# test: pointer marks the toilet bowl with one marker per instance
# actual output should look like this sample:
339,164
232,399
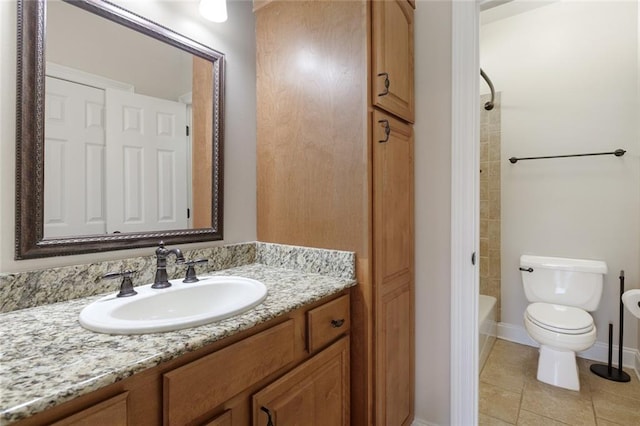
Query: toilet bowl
562,291
561,331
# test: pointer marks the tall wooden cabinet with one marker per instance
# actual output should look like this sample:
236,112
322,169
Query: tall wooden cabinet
335,169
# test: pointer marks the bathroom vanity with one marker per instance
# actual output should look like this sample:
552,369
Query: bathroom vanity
286,358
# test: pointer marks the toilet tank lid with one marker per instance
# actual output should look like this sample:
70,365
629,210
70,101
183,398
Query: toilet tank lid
564,264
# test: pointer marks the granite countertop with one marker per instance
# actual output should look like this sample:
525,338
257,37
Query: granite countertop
47,358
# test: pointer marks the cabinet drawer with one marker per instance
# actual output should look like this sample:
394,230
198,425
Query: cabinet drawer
112,411
196,388
327,322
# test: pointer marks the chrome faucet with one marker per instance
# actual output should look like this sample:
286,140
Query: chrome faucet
162,253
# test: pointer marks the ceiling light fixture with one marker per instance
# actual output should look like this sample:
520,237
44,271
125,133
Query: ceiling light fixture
214,10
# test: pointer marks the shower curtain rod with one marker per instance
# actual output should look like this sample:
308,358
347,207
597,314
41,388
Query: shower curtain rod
617,153
489,104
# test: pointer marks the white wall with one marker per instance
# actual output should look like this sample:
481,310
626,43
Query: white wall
235,38
568,74
433,213
111,50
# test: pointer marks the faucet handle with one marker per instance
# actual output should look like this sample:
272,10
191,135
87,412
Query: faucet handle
126,286
191,270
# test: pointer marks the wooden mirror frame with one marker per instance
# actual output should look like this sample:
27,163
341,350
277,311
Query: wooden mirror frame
30,77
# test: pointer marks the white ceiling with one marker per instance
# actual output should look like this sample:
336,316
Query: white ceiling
494,10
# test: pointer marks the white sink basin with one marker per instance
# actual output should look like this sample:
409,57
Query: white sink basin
179,306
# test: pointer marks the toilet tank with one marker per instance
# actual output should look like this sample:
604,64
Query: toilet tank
571,282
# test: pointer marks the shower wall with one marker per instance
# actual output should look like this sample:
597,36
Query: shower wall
490,135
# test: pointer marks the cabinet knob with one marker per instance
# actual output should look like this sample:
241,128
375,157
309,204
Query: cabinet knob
337,323
387,130
387,83
268,413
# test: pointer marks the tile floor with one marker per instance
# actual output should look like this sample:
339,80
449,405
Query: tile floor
511,395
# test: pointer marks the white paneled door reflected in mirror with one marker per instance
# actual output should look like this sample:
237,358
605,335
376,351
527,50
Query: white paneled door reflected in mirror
116,162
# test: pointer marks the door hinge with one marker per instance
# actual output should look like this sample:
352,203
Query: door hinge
187,130
188,213
473,258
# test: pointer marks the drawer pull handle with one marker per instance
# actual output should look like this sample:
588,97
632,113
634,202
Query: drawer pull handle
337,323
387,130
269,420
387,83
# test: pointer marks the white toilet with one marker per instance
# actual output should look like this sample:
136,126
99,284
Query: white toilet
562,292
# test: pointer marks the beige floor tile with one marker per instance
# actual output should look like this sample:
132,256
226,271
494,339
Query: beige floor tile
557,403
585,384
514,357
603,422
629,389
511,369
506,376
527,418
531,367
499,403
484,420
584,392
512,353
616,408
584,364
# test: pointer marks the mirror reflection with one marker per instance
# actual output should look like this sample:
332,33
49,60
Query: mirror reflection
104,157
127,130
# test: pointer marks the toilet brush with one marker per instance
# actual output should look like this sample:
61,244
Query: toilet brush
607,371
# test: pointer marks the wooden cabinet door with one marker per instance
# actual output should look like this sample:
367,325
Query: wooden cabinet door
112,412
393,232
314,394
392,62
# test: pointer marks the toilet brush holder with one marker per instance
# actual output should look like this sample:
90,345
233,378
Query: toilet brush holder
606,370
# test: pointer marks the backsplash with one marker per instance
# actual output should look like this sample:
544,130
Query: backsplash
34,288
335,263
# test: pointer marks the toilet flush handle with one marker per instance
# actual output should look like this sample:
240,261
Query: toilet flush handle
526,269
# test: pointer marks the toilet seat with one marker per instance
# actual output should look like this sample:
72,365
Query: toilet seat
560,341
559,318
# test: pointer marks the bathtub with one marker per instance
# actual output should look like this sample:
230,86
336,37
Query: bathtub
487,327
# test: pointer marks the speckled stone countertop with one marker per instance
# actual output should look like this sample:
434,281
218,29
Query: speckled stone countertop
47,358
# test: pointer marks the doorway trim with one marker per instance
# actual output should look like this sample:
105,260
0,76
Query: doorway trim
464,212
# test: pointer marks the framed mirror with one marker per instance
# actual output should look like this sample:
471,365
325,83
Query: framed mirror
119,136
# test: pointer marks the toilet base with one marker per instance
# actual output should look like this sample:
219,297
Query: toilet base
558,368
